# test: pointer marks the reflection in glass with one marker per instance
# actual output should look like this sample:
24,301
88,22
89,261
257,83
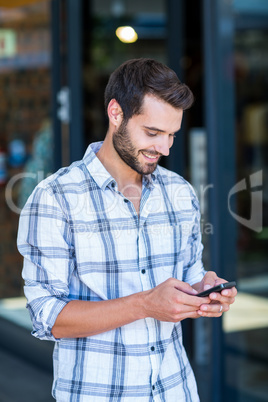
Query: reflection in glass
105,52
246,325
25,88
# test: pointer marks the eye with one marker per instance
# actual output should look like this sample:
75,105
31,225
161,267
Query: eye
172,136
151,134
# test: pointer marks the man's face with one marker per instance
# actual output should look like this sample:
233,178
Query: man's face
148,136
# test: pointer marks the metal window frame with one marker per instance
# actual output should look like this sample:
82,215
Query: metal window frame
56,81
175,49
67,80
75,77
218,29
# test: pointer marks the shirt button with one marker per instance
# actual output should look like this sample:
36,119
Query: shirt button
113,184
125,200
143,271
152,348
153,387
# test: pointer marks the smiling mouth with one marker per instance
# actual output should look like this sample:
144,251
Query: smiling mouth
152,157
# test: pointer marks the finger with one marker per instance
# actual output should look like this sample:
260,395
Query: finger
190,314
182,312
208,315
219,281
185,287
229,292
213,310
209,280
185,294
223,298
226,300
185,309
193,300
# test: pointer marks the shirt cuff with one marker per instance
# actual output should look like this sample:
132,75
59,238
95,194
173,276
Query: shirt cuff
44,320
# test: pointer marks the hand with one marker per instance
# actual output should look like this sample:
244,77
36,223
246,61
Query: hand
173,301
219,301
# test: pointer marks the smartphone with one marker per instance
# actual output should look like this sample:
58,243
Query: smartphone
218,288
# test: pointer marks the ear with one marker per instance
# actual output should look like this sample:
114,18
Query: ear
115,113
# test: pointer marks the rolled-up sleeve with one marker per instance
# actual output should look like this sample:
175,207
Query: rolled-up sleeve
45,242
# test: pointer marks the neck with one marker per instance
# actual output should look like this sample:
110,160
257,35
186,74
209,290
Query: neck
119,170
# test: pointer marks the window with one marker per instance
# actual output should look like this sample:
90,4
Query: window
25,137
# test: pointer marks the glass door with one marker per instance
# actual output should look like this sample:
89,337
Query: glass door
26,155
113,32
246,325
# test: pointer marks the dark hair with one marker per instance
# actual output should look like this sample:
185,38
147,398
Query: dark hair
135,78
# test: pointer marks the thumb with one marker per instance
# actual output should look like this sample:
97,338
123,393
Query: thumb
209,280
186,288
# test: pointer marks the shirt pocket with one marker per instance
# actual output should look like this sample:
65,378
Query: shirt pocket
166,239
106,257
89,247
164,245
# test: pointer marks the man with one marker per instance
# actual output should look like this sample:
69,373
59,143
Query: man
112,252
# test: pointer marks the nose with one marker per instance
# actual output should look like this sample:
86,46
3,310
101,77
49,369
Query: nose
163,145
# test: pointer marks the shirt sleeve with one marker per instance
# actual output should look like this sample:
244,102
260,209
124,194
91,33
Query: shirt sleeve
45,241
193,270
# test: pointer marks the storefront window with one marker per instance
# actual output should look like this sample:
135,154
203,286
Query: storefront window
25,133
106,48
246,325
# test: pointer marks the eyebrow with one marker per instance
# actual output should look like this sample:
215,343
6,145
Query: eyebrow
154,129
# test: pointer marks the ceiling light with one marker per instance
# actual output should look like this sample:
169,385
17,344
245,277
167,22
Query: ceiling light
126,34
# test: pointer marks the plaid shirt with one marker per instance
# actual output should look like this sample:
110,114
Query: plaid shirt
82,239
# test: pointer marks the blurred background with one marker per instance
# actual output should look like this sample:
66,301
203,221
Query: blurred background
55,60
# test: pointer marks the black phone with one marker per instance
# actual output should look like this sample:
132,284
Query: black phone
218,288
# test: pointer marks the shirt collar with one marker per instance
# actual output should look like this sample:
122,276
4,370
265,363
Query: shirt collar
101,176
148,180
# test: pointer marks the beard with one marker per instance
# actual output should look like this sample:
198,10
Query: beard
128,152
